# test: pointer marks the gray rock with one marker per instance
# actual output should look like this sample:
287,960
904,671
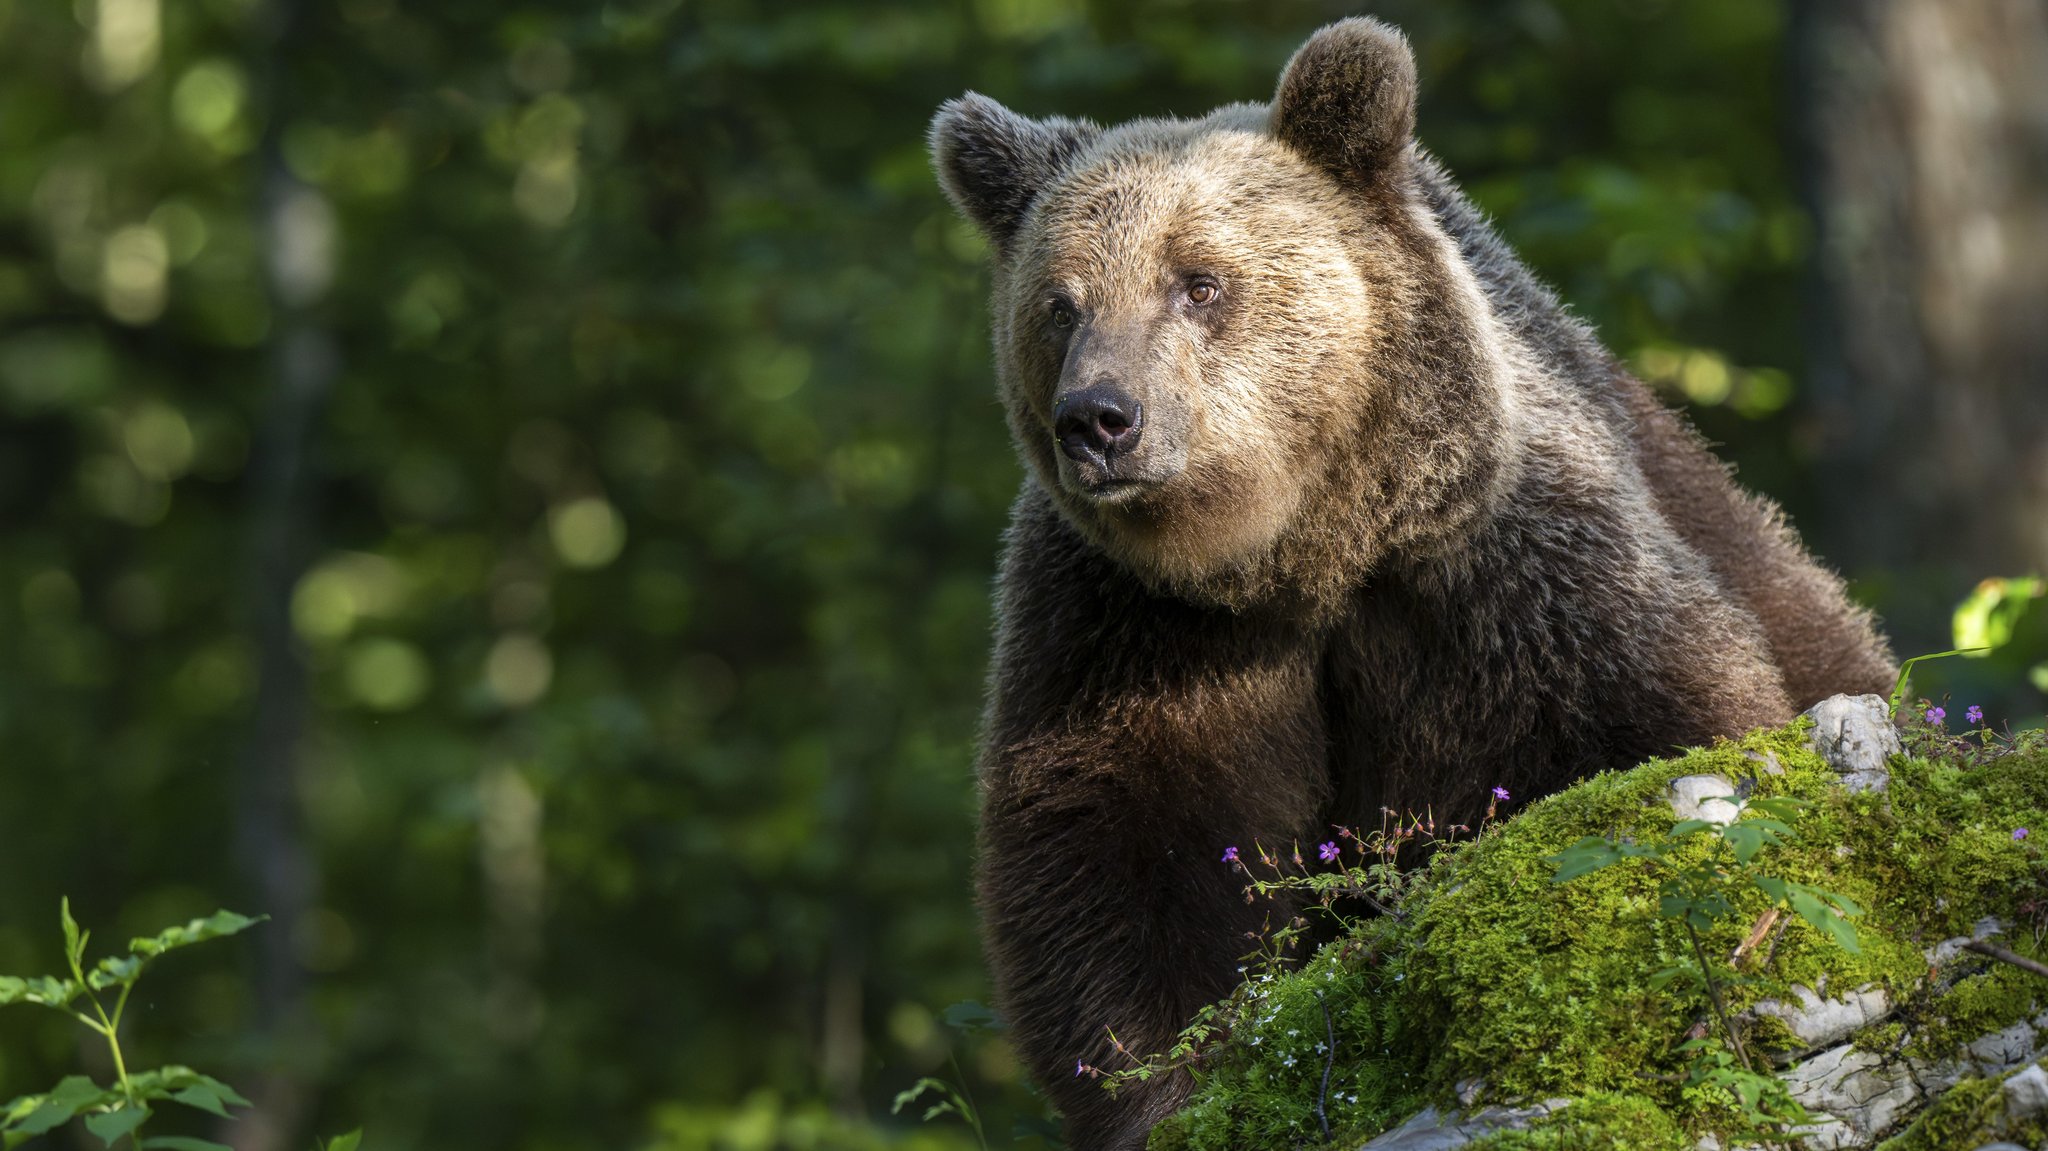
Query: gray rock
2026,1093
1702,797
1854,733
1857,1094
1822,1022
1945,952
1432,1130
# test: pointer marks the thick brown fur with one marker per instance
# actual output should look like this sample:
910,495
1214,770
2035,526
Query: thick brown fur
1397,530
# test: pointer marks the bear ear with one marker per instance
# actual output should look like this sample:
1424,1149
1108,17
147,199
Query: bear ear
1347,99
993,162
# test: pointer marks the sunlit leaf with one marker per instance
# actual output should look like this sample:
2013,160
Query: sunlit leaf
214,926
1987,617
182,1143
1813,910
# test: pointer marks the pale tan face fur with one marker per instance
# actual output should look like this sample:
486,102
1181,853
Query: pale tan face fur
1244,394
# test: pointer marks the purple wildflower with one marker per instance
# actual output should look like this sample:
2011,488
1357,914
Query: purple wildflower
1327,852
1080,1068
1975,714
1937,715
2019,833
1230,854
1500,793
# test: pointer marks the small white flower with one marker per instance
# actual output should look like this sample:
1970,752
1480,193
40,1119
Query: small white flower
1287,1062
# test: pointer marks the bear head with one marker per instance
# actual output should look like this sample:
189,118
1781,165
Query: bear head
1239,353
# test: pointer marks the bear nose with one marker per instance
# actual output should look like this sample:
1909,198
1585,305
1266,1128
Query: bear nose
1096,423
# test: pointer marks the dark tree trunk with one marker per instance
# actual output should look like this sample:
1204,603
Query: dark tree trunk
298,228
1926,139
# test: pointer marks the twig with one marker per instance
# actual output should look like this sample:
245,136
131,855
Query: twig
1764,923
2004,956
1329,1061
1771,952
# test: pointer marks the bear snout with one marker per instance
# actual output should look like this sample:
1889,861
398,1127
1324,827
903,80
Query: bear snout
1096,424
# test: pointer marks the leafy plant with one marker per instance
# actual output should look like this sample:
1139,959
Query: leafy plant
118,1112
952,1097
1700,889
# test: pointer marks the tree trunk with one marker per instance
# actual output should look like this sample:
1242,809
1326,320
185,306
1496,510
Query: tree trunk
1926,126
298,230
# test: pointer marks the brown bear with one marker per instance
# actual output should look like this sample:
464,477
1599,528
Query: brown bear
1329,506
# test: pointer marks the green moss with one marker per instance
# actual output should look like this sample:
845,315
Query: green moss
1970,1114
1599,1121
1543,990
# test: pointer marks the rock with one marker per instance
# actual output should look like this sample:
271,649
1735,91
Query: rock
2026,1093
1945,952
1858,1094
1469,1091
1854,734
1769,759
1822,1022
1703,797
1431,1130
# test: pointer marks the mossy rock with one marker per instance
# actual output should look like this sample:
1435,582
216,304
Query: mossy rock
1496,975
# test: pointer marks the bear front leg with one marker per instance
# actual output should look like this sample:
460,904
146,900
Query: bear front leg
1130,740
1108,909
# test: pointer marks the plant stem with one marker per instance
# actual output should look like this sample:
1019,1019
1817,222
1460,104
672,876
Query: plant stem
973,1115
1714,994
1322,1093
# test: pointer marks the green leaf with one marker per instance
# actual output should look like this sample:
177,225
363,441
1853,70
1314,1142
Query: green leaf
1686,827
347,1142
203,1098
114,971
181,1143
1906,672
1783,807
1987,618
74,939
113,1125
220,923
970,1017
1813,910
1583,858
908,1095
223,1090
71,1095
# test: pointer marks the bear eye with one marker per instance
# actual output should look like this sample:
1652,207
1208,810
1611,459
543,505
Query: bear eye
1062,315
1203,291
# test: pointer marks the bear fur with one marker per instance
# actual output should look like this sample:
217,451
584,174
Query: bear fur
1330,506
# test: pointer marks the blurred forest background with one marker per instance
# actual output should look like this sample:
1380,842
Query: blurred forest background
510,489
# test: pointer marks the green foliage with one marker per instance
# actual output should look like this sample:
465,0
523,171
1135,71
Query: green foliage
1597,989
1699,890
119,1111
